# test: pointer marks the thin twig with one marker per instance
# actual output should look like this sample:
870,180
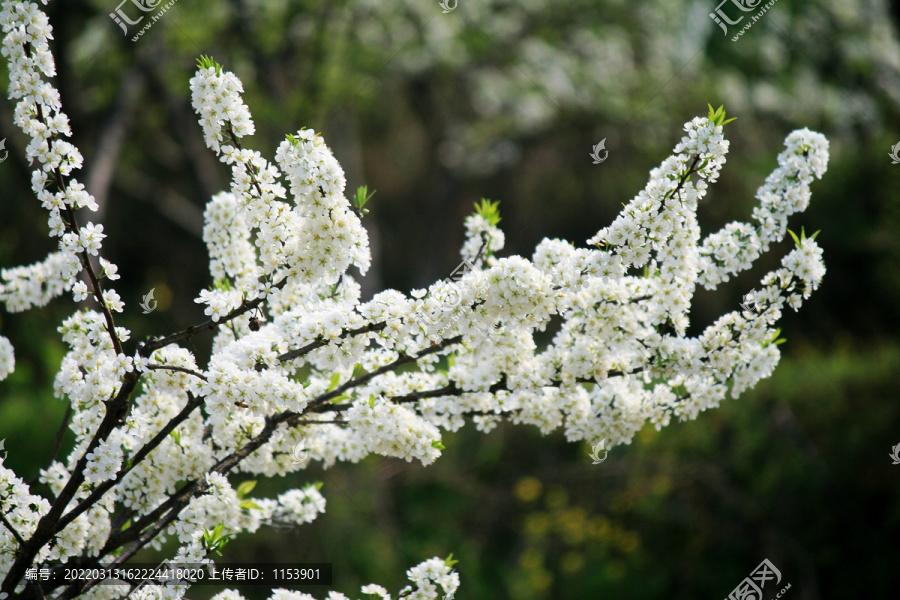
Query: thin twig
484,244
12,530
60,433
174,368
192,404
186,334
404,359
318,343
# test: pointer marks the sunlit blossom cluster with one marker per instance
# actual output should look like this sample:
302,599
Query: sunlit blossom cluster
299,361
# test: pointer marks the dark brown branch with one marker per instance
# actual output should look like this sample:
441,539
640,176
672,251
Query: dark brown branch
192,404
155,344
404,359
451,389
12,530
169,510
197,486
95,281
59,434
116,407
174,368
318,343
46,527
483,413
684,179
484,243
190,490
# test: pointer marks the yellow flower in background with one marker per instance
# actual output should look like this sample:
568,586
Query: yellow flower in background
528,489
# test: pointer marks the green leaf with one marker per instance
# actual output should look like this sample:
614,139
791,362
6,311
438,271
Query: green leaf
206,62
794,235
717,116
245,488
214,541
341,398
318,485
774,339
361,198
250,504
449,562
815,234
335,379
438,445
488,210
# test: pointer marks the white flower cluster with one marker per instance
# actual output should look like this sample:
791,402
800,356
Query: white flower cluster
7,358
480,233
39,115
299,361
330,236
34,285
308,245
393,430
296,506
217,99
785,192
22,509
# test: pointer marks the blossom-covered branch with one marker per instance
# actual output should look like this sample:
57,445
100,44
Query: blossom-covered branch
305,364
